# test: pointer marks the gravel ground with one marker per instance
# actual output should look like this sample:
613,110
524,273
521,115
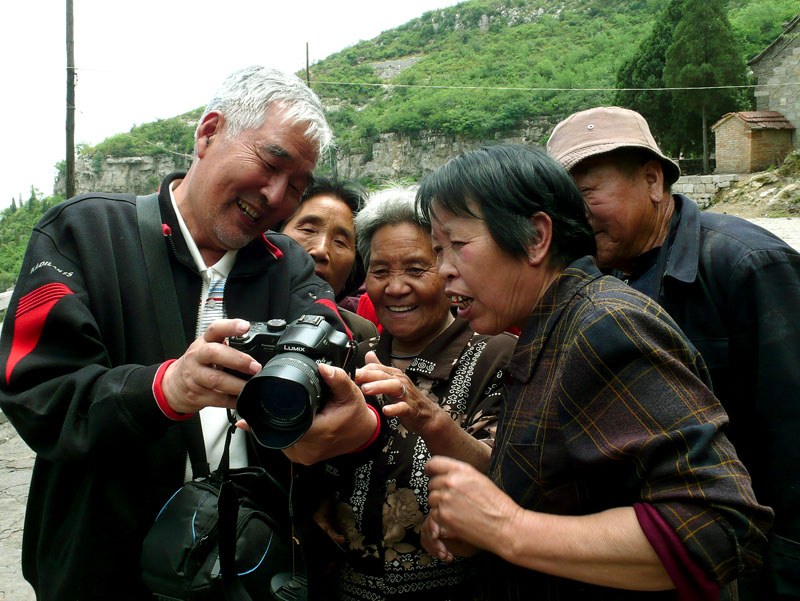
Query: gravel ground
16,462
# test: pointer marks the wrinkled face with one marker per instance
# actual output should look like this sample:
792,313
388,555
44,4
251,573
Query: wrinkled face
323,225
245,184
620,210
404,285
492,288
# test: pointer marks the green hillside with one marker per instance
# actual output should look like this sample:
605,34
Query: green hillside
463,55
462,52
529,44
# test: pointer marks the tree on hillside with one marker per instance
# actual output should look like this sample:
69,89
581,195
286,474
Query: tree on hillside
645,69
704,53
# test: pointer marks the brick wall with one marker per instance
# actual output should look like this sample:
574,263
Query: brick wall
702,188
769,147
733,146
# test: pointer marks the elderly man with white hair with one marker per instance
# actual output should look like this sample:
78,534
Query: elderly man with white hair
109,412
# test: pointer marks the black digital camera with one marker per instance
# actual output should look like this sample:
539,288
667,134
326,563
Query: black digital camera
280,401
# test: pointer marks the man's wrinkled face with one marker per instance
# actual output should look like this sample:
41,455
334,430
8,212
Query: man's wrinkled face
619,207
249,182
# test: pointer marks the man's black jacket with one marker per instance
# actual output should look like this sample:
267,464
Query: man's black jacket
80,348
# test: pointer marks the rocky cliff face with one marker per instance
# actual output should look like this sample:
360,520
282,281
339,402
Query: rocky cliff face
392,157
397,156
138,175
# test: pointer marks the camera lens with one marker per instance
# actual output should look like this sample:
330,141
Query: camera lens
280,401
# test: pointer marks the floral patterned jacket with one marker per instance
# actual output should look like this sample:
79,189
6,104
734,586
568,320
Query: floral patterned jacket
380,495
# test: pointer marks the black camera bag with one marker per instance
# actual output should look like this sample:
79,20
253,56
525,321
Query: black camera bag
213,539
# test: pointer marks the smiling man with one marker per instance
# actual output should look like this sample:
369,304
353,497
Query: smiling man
86,381
732,287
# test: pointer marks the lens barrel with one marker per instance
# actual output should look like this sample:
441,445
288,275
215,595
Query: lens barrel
279,402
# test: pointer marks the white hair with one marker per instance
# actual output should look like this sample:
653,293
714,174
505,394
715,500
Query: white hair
390,206
246,95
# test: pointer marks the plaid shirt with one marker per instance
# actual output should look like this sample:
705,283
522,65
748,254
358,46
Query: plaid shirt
610,406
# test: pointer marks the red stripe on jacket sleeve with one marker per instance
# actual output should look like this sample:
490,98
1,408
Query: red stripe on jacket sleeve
274,250
332,306
32,310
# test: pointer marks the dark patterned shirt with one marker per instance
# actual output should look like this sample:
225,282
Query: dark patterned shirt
609,407
383,494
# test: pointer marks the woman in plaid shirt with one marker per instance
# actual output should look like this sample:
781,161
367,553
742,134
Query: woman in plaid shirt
611,474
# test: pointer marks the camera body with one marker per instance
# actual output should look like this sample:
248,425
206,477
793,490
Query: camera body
280,401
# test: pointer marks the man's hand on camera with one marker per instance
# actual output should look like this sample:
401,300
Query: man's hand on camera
197,379
344,424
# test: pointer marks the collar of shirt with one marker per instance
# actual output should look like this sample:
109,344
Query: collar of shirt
220,269
546,314
684,250
438,359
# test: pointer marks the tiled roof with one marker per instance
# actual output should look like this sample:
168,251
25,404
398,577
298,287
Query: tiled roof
759,120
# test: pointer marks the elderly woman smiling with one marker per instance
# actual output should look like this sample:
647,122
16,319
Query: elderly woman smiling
449,398
610,469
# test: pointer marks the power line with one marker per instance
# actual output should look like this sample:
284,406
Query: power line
522,89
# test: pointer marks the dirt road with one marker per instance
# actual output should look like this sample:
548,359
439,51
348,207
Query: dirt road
16,462
787,228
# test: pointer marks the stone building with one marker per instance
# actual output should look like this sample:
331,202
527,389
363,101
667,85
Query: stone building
750,141
778,69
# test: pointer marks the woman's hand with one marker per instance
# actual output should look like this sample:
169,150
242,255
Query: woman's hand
324,517
468,510
414,410
436,542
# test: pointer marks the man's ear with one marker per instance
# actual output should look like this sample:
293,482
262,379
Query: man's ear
210,126
539,247
654,176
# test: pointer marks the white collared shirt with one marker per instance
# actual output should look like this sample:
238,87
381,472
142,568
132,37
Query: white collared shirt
210,308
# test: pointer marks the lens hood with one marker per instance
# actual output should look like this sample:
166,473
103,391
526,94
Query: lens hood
279,402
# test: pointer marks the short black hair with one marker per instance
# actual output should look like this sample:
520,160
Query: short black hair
350,193
353,195
510,184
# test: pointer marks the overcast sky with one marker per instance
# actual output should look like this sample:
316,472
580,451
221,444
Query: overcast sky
145,60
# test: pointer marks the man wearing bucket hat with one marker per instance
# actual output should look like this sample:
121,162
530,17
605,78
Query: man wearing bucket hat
733,288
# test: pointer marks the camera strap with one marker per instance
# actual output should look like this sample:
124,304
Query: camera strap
159,275
173,344
168,314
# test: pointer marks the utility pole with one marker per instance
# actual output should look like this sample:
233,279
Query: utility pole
308,73
70,105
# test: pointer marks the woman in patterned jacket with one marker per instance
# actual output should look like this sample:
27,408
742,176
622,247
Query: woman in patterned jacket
452,378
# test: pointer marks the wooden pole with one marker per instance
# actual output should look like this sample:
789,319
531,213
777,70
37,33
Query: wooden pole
70,105
308,73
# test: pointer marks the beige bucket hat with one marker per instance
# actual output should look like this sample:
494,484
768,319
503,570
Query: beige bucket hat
604,129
